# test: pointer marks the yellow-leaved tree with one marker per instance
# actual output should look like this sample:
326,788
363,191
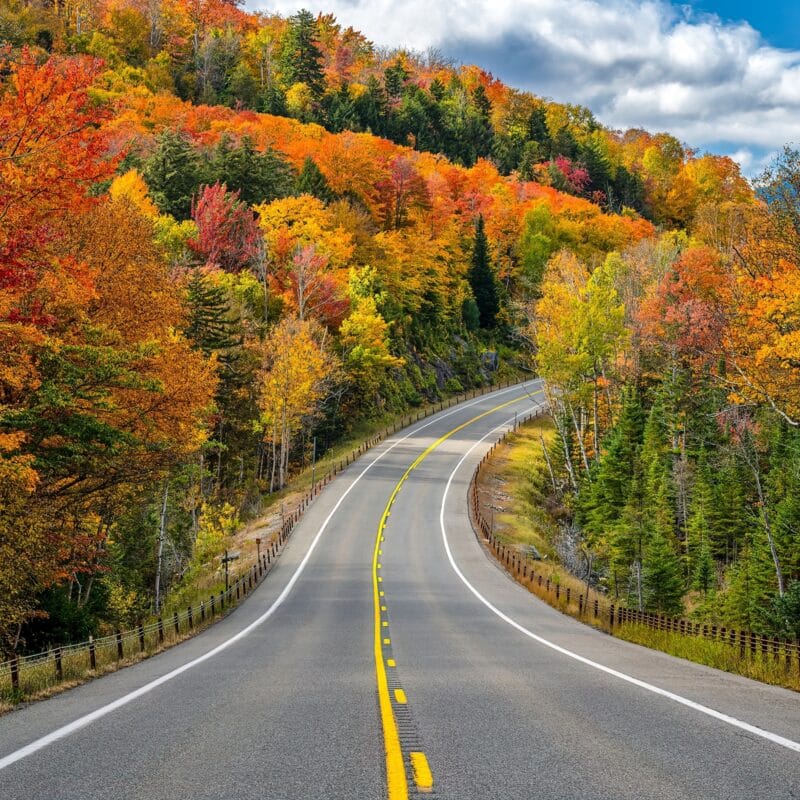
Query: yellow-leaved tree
297,374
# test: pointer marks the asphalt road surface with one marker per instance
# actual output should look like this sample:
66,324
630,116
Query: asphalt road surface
386,654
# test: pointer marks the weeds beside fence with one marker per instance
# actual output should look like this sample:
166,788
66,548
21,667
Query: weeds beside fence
768,659
27,677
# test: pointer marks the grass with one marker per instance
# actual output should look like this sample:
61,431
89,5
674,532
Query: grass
512,499
760,667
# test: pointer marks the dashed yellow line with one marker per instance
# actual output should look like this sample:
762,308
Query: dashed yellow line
397,783
422,771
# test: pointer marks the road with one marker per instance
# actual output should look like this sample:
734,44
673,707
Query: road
385,651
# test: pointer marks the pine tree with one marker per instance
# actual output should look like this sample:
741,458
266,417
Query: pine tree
624,542
481,278
209,327
173,173
656,474
312,181
727,517
259,177
481,123
594,158
662,578
301,57
783,486
602,500
752,584
538,130
703,576
698,529
394,79
372,108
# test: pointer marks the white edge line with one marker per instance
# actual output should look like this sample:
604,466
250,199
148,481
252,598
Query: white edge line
87,719
718,715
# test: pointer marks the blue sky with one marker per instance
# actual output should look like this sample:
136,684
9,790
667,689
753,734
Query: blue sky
721,75
779,22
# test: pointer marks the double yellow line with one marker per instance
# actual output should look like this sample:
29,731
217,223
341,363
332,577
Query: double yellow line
397,783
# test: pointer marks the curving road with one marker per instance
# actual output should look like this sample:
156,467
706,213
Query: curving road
387,655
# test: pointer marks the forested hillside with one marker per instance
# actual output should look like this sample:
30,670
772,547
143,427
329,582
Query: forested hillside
225,235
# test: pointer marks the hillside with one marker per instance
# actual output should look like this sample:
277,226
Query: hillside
228,238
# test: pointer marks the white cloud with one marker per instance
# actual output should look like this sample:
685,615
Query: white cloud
635,63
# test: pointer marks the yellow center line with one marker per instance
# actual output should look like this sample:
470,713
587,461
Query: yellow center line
397,783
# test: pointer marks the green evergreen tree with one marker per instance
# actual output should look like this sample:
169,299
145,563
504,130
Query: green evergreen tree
210,326
174,173
623,541
783,486
437,90
698,531
339,110
727,516
704,574
481,132
312,181
662,577
531,156
372,108
592,156
656,463
481,278
258,176
537,128
273,101
301,58
394,79
470,314
752,585
784,615
601,500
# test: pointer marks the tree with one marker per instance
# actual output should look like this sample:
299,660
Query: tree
312,181
314,291
602,501
209,325
296,374
364,337
301,57
173,172
481,278
704,576
227,233
401,191
662,578
698,527
258,176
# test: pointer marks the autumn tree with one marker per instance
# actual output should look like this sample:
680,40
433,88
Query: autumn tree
227,233
296,377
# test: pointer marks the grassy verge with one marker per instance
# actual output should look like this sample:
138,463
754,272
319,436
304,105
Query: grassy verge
766,668
511,513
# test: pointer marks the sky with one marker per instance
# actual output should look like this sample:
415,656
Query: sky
721,75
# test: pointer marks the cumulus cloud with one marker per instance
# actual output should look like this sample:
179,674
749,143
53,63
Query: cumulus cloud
635,63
